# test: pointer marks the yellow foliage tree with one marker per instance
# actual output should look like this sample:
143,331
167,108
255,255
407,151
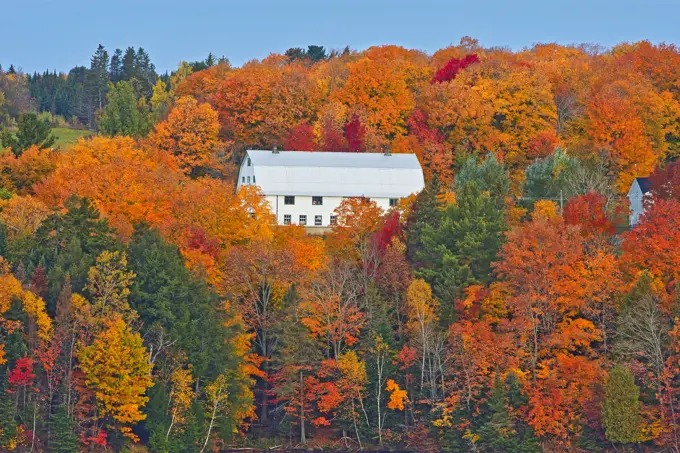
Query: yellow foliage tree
22,215
117,370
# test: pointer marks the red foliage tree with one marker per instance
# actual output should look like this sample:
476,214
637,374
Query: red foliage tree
451,69
589,211
39,281
301,138
355,134
391,228
542,144
332,139
417,125
22,374
652,245
665,182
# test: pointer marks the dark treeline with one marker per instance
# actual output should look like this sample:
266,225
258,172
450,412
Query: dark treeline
78,94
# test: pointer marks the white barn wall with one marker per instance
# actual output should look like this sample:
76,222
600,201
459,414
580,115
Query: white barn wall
303,206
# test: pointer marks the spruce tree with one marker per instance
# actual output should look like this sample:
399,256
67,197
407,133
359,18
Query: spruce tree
64,440
128,64
98,77
460,250
116,66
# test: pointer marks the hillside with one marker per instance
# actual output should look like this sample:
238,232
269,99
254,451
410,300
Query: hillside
147,305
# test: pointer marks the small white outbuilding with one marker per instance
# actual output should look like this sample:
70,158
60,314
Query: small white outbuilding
305,187
637,197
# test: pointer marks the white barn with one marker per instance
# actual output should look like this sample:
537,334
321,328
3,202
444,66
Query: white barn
637,195
304,187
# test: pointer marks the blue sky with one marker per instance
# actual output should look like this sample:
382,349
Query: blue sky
59,34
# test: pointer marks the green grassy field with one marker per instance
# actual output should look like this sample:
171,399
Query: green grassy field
66,136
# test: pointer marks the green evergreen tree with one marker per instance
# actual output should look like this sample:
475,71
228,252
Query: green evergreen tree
168,297
316,53
490,175
8,423
499,434
621,410
31,130
128,65
68,245
459,252
427,213
116,66
145,73
64,440
97,82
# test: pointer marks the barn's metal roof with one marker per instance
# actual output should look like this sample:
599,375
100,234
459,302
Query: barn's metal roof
336,174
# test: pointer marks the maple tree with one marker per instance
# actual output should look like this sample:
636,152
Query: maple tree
453,67
190,133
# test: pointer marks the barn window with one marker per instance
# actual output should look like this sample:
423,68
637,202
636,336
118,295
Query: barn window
334,220
303,219
286,219
394,201
289,199
249,161
318,220
317,201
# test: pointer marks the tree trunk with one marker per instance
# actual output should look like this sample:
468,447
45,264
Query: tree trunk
303,438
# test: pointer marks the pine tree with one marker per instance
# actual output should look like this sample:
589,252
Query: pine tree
64,441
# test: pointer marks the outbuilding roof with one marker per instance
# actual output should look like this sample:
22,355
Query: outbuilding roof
336,173
645,184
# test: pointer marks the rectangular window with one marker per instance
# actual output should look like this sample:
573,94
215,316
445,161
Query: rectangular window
317,220
248,179
243,179
286,219
317,201
288,199
334,220
253,179
249,161
303,219
394,201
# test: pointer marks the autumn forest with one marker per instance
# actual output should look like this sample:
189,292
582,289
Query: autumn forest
146,305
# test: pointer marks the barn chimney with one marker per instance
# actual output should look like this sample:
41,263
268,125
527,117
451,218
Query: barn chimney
275,150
